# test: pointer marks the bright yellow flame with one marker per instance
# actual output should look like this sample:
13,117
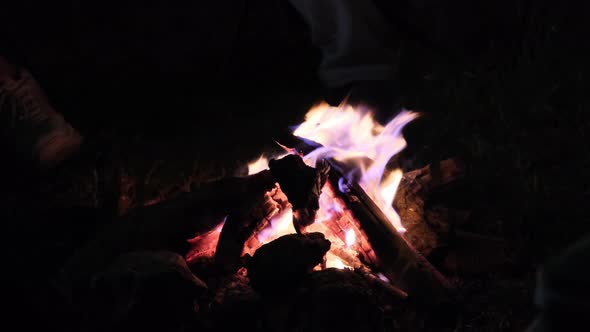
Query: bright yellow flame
280,224
350,135
385,200
335,262
338,264
350,238
390,184
258,165
261,163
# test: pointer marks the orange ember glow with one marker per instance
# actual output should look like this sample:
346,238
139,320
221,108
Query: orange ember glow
364,147
203,245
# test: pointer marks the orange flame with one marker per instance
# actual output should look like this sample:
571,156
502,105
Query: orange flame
335,262
350,238
258,165
352,136
261,163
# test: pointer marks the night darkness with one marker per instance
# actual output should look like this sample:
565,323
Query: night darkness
171,94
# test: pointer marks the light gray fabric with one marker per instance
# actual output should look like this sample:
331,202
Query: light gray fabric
353,38
563,291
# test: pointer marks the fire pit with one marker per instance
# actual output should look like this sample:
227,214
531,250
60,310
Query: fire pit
354,213
306,237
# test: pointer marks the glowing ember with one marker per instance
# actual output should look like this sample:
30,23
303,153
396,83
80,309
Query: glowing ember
204,244
353,137
350,238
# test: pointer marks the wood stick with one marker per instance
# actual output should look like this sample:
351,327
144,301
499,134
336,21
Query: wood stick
357,265
165,226
401,263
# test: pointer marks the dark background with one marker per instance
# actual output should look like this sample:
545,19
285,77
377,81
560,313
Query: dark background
93,57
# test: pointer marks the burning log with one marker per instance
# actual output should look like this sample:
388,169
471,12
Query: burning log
302,185
402,264
333,298
412,194
400,261
164,226
355,263
168,225
339,300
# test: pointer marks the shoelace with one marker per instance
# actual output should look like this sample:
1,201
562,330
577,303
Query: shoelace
24,101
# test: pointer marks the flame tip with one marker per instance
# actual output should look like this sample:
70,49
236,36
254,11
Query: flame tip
351,134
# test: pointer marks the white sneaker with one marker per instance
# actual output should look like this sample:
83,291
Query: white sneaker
31,125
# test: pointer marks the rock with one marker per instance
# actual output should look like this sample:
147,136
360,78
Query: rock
236,305
283,263
143,291
337,300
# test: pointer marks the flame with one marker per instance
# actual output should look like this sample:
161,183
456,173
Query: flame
364,147
350,238
353,137
280,224
335,262
261,163
338,264
204,244
258,165
383,277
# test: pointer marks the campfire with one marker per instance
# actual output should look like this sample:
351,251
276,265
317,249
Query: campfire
362,148
331,215
350,153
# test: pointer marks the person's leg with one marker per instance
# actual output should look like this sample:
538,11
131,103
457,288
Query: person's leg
28,123
354,38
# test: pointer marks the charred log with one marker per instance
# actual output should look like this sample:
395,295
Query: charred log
401,262
167,225
302,185
423,228
338,300
149,291
236,306
283,263
403,265
164,226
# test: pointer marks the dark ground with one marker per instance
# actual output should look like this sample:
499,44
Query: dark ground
196,92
